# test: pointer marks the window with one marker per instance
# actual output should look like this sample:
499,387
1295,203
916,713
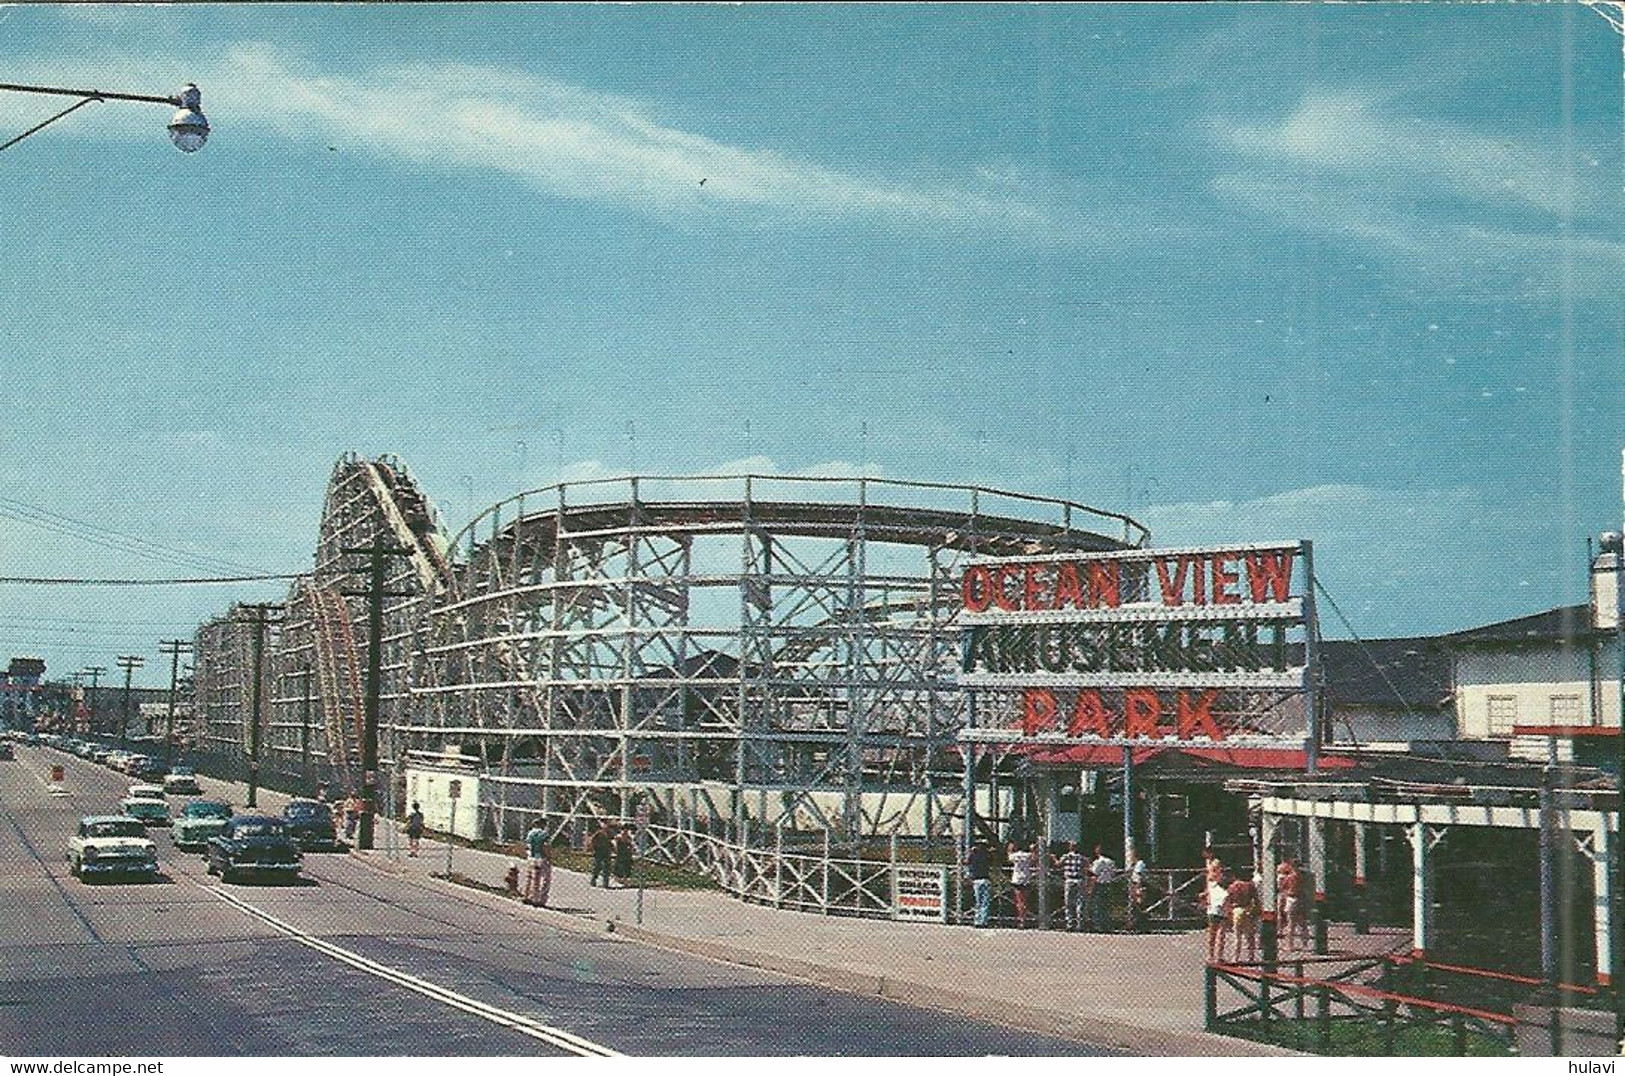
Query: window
1503,712
1565,709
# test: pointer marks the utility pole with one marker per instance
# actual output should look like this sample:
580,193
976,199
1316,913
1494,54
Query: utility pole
376,555
95,674
258,612
129,663
174,648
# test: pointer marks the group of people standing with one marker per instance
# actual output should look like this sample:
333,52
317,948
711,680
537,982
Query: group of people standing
1235,908
611,847
1085,884
612,851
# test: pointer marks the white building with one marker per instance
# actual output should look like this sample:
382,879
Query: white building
1552,675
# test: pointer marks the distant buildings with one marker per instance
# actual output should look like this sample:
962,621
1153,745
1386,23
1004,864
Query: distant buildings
20,692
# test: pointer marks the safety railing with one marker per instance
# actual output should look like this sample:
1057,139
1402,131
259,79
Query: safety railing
827,884
1340,1004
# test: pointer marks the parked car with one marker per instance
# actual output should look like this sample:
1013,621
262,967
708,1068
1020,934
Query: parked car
253,844
310,824
146,792
199,821
182,782
101,755
105,844
148,812
147,767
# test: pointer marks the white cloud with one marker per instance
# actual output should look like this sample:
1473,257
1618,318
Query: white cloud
565,140
1339,133
1448,250
1457,206
1412,556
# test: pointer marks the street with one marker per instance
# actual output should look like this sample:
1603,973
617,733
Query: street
354,961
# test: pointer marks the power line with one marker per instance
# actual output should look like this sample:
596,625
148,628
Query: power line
61,581
107,537
1381,671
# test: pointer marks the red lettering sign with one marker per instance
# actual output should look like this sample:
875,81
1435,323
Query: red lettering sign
1001,592
1173,586
1068,591
1142,718
1038,711
1142,710
1269,575
1197,720
1105,584
976,588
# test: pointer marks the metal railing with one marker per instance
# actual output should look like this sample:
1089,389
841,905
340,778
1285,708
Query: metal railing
826,884
833,884
1302,1002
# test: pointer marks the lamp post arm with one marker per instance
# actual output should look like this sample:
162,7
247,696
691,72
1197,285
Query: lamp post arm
8,143
95,95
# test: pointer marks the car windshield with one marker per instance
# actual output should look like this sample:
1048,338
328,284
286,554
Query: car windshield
181,771
115,828
257,829
306,811
206,809
140,808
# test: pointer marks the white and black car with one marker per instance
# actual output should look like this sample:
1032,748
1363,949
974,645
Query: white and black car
111,844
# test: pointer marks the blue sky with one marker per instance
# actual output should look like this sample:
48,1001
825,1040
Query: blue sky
1344,273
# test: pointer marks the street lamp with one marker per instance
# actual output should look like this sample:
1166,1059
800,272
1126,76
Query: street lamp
188,128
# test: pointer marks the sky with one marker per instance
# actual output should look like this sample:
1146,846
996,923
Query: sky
1246,272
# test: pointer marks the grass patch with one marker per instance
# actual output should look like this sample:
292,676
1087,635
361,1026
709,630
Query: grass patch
654,876
1364,1038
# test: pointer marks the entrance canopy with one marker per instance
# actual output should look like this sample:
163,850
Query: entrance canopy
1243,758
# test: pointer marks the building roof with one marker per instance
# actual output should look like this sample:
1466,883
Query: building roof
1569,624
1392,674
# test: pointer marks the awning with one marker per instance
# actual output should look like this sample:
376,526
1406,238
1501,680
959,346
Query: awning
1246,758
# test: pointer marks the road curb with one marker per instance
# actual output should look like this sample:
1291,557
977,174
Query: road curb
1130,1038
1141,1041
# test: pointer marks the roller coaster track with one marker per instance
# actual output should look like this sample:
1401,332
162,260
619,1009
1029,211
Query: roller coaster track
339,677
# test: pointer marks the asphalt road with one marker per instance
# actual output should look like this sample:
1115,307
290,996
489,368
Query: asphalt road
358,962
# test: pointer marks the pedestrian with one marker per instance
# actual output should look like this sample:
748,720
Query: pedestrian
1103,871
1212,866
1289,903
414,829
1071,865
1138,872
623,856
979,867
1241,909
1021,881
352,816
1215,893
601,844
539,865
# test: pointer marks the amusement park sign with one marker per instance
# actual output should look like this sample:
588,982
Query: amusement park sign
1133,646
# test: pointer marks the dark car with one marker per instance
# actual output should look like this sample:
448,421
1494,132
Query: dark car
7,752
253,844
310,824
147,767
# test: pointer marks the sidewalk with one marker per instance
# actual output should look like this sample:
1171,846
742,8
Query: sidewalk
1141,993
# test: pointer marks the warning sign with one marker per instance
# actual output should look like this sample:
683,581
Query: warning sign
920,893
